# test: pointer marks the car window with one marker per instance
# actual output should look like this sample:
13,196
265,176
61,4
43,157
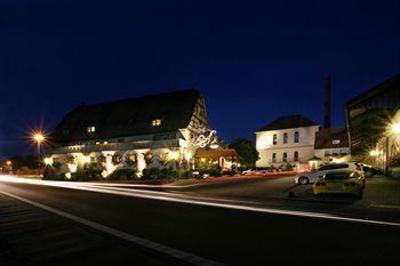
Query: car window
341,166
334,166
339,176
323,168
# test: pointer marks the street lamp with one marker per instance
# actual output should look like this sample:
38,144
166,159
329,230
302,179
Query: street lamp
395,128
39,138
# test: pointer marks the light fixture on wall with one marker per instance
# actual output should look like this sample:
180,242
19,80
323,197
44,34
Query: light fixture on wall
48,161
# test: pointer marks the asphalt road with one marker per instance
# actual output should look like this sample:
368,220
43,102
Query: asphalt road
228,236
274,193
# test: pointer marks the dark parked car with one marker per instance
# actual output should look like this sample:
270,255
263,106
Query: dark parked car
370,171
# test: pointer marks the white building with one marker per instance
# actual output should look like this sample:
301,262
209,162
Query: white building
145,132
288,139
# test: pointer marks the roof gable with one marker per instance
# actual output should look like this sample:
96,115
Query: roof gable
392,83
290,121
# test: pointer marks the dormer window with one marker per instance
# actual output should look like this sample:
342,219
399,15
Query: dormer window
156,122
91,129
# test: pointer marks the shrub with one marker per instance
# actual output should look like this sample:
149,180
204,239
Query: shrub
57,165
232,172
214,172
94,174
152,173
58,177
93,166
286,167
123,174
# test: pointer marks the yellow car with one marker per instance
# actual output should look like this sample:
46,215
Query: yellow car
340,182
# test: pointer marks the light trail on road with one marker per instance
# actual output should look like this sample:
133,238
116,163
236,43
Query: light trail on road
187,199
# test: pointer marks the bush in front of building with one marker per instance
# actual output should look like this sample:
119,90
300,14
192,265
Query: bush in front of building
151,173
286,167
54,177
232,172
123,174
87,175
210,171
165,173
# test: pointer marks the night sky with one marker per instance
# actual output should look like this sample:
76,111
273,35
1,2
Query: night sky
253,60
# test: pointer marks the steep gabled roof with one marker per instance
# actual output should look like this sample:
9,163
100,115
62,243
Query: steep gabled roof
325,137
290,121
392,83
129,117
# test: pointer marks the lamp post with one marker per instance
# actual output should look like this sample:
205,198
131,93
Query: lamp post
9,166
394,130
39,138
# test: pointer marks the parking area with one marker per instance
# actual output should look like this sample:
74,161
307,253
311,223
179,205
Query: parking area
380,199
379,191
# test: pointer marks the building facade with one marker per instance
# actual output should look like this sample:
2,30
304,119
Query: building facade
332,145
146,132
288,139
368,114
373,123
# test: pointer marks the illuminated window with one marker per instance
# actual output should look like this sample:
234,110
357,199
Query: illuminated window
274,139
285,138
336,141
296,137
156,122
91,129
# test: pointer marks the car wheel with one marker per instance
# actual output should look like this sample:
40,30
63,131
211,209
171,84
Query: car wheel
303,180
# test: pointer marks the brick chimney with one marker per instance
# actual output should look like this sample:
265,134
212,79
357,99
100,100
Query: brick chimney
327,102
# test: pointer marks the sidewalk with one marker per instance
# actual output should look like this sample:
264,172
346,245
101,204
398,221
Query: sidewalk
382,192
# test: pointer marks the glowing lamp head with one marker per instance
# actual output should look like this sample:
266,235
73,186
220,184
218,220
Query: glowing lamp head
395,128
373,153
68,175
38,137
173,155
48,161
188,156
86,159
9,163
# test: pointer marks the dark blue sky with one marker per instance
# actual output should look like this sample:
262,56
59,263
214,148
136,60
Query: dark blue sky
253,60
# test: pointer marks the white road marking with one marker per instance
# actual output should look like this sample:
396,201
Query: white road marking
178,254
164,196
